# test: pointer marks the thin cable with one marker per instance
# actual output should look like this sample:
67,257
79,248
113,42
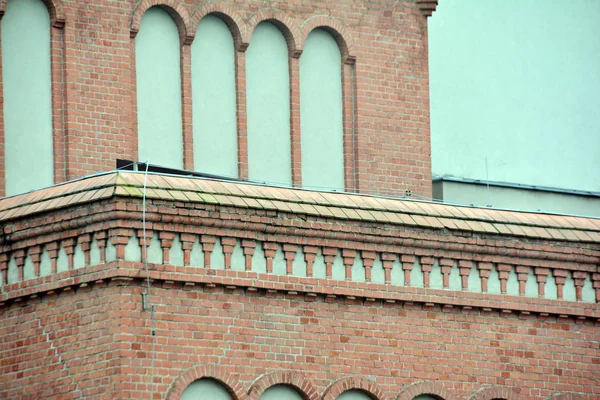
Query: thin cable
148,294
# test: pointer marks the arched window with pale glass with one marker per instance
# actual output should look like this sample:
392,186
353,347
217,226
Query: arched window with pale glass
321,112
205,389
268,106
281,392
214,98
27,94
158,80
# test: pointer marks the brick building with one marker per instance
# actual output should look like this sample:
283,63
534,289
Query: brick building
126,284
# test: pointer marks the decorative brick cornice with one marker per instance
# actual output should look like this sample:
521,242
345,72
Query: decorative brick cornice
427,7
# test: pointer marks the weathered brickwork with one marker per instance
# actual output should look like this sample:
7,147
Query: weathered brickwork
252,296
94,342
385,83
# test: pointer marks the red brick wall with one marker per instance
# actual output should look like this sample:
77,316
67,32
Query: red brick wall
386,87
103,338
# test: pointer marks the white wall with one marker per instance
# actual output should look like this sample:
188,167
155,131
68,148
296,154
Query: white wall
518,81
27,108
214,99
158,79
268,106
321,120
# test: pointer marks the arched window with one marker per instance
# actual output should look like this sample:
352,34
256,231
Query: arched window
321,118
354,394
205,389
158,73
425,397
27,90
214,98
280,392
268,106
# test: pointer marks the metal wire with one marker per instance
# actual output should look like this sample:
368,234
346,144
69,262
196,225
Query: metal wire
148,294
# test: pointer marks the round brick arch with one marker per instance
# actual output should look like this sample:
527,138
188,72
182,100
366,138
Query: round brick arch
174,8
370,388
431,388
339,32
287,25
296,380
495,393
216,373
56,10
227,13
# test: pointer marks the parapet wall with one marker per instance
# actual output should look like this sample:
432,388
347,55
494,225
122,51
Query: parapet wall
257,280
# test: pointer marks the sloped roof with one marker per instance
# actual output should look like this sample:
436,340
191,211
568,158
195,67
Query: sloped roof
324,204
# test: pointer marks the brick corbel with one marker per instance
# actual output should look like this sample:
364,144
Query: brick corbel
52,249
4,267
329,253
310,254
208,245
348,256
368,259
407,264
427,7
100,238
426,267
289,253
119,237
187,243
503,273
84,241
166,241
485,269
144,242
269,249
249,246
464,267
560,276
35,252
541,275
19,256
388,261
522,275
596,285
69,246
446,265
228,244
579,280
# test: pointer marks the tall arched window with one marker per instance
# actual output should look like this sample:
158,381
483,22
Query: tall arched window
214,99
205,389
321,119
268,106
280,392
27,90
158,73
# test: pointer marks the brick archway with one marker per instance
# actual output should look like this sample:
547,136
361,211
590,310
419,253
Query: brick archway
284,22
342,385
495,392
425,387
175,9
219,374
294,379
228,14
56,10
336,29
